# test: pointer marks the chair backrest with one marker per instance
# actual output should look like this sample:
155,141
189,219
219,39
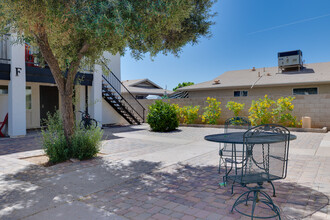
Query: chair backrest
5,121
236,124
265,153
2,124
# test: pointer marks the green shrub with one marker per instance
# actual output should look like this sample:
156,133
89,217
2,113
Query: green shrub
260,111
54,142
266,110
282,113
235,107
86,143
163,116
189,113
212,111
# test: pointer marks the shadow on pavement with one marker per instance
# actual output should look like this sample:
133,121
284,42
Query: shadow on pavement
111,130
133,188
32,141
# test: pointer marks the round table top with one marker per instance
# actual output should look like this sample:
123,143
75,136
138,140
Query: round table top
237,138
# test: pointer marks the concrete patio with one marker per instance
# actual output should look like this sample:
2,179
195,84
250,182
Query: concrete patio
148,175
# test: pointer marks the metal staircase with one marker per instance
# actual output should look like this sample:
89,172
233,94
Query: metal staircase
114,98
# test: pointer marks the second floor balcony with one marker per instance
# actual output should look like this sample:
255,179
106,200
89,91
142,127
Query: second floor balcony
35,72
5,49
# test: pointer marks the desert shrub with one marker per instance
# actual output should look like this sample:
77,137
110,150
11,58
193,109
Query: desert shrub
54,142
177,109
261,111
189,114
163,116
86,143
212,111
235,107
266,110
282,113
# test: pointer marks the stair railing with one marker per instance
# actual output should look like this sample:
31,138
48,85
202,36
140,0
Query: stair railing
119,83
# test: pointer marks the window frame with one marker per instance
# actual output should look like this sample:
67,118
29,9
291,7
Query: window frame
26,103
315,87
4,89
241,93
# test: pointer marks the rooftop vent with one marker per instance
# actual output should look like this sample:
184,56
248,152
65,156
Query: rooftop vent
217,81
290,59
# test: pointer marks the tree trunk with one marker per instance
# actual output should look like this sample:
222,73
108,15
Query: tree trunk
67,115
65,83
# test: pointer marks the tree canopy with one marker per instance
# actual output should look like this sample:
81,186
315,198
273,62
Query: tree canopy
143,26
69,32
180,85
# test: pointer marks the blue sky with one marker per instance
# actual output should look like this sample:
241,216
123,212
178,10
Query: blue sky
247,33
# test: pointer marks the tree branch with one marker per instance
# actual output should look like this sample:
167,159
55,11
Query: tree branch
73,68
47,53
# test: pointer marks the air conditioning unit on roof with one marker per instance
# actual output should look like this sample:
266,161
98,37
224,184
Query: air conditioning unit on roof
290,59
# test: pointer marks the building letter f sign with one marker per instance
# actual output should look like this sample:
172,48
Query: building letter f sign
18,70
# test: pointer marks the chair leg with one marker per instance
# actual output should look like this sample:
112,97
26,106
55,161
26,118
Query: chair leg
247,198
255,198
271,183
219,165
265,199
238,200
232,187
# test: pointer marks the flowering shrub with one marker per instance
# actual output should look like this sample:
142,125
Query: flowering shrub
235,107
212,111
177,109
266,111
163,116
282,112
260,111
189,114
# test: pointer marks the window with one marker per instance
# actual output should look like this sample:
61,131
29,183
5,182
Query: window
3,90
240,93
140,97
305,91
28,98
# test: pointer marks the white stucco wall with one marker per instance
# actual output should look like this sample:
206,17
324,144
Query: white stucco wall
16,90
114,65
109,115
33,115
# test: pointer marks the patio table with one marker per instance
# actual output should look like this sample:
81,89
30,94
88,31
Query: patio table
237,138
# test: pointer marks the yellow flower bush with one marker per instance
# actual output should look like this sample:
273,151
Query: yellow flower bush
177,109
282,112
189,114
260,111
266,110
235,107
212,111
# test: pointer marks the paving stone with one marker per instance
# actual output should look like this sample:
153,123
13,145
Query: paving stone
120,186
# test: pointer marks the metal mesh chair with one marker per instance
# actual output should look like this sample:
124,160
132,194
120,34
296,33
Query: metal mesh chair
226,153
265,158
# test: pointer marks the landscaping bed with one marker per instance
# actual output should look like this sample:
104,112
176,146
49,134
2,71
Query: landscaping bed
43,160
313,130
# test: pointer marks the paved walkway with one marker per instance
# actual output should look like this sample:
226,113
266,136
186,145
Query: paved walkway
148,175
